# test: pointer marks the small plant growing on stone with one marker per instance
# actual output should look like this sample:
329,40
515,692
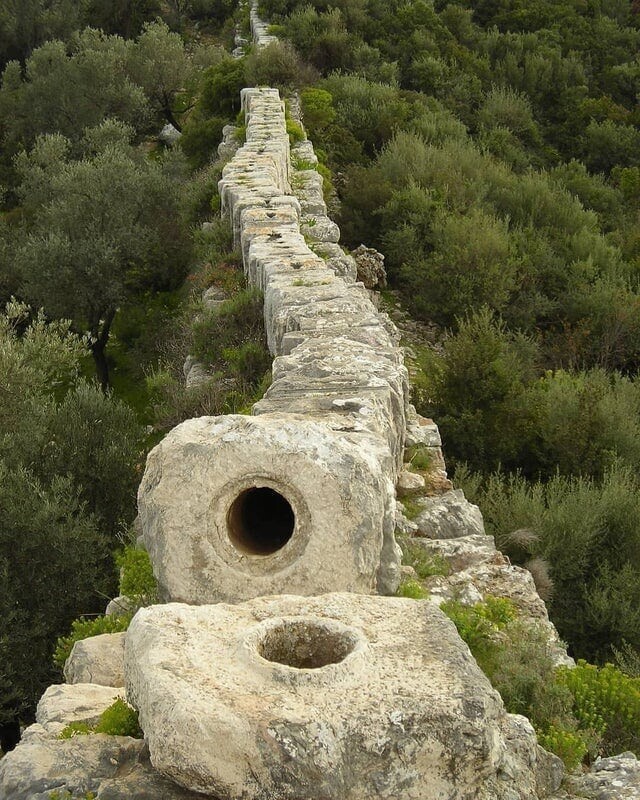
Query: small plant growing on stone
119,719
420,458
411,507
478,625
413,589
137,580
294,131
84,628
424,563
75,729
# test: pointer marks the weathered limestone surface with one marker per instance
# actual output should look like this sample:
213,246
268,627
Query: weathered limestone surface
335,342
370,267
334,697
615,778
202,482
97,660
108,767
328,436
449,516
81,702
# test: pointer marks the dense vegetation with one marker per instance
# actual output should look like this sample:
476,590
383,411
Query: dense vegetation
99,227
490,149
492,152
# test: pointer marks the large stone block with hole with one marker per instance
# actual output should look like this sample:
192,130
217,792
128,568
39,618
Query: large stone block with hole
338,697
236,507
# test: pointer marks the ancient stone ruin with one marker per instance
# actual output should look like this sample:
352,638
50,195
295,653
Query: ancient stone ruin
276,667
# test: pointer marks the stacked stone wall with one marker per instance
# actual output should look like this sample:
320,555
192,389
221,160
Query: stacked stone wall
340,695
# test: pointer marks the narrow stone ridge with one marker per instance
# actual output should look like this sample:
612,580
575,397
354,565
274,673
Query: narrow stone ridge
299,497
337,357
259,28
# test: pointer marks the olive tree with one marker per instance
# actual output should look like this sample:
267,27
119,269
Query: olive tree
68,456
101,229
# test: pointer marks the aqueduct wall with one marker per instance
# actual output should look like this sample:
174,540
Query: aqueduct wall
298,679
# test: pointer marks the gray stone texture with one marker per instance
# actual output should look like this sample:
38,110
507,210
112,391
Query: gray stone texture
208,474
448,516
370,267
328,698
614,778
97,660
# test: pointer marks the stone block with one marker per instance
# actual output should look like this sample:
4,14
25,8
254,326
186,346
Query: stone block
98,659
449,516
80,702
339,697
235,507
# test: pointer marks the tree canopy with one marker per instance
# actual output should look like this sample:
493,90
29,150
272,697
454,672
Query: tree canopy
99,229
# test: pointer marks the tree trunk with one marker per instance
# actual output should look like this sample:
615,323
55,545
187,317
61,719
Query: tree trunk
98,347
168,114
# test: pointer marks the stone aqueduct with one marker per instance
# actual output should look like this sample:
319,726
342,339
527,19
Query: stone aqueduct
278,667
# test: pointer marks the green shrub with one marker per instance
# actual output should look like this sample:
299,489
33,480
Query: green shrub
248,362
277,65
221,88
294,131
119,719
586,530
627,659
424,563
233,323
75,729
173,403
200,139
479,623
412,589
317,110
483,412
420,457
136,575
568,745
516,657
607,701
84,628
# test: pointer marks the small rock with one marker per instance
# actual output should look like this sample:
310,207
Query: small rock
449,516
370,266
98,660
197,374
169,135
403,524
423,431
409,482
320,228
213,297
119,606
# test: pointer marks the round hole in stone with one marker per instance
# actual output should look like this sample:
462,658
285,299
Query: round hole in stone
260,521
306,644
